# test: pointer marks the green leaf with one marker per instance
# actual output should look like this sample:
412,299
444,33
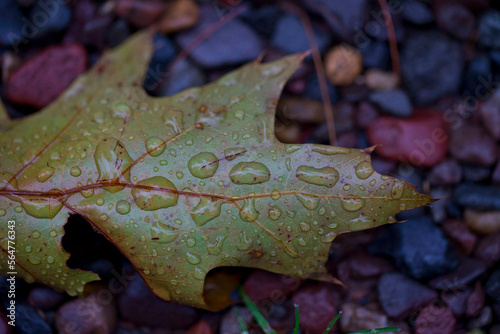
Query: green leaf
184,184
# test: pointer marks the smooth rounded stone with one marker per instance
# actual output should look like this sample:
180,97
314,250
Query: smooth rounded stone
224,46
458,232
230,320
117,33
475,80
417,13
343,64
472,144
456,299
365,115
180,15
317,307
264,285
48,17
356,318
140,14
11,24
313,90
202,327
380,80
484,319
435,319
363,265
478,197
165,52
263,19
467,272
29,321
432,66
448,172
282,317
184,75
93,314
490,114
288,133
483,222
475,302
301,110
376,54
418,247
456,20
45,298
421,140
474,173
395,102
153,311
41,79
354,93
488,249
489,29
400,296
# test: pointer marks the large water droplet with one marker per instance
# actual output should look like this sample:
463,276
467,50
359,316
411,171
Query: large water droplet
199,274
112,160
330,150
122,207
248,213
206,210
309,202
190,242
329,237
275,212
75,171
352,204
397,189
45,173
233,153
192,258
275,194
326,176
364,170
155,146
216,247
245,242
304,226
163,233
34,259
360,223
122,110
41,207
249,173
157,193
203,165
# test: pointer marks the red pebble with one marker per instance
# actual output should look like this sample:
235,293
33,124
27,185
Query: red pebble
421,140
435,320
458,231
266,287
316,307
41,79
202,327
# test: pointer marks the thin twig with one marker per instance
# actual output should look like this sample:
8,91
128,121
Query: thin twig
391,34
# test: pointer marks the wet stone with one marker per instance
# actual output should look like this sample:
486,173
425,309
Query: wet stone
29,321
417,13
317,306
45,298
467,272
435,320
266,286
455,19
477,196
343,64
55,13
475,302
139,13
458,232
483,222
488,249
394,102
489,29
10,23
473,145
355,318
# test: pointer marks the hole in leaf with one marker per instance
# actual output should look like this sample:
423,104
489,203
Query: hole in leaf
89,249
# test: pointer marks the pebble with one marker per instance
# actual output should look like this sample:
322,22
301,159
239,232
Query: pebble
435,319
184,75
313,91
477,77
432,66
448,172
45,298
29,321
467,272
418,247
165,52
140,14
421,139
263,19
492,287
475,302
456,299
380,80
458,232
363,265
484,319
180,15
264,285
41,79
489,29
317,307
230,324
478,197
365,115
153,312
376,55
48,17
475,173
301,110
438,209
395,102
456,20
483,222
472,144
400,296
288,133
11,24
356,318
417,13
290,36
227,41
490,114
202,327
343,64
94,314
488,249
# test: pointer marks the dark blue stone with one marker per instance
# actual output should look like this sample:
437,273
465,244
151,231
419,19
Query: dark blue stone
376,54
11,23
28,321
49,16
489,29
313,90
477,196
417,13
183,76
395,102
262,19
493,286
477,76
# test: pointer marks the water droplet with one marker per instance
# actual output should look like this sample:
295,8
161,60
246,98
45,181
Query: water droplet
158,193
34,259
249,173
190,242
216,247
2,212
112,161
122,207
100,201
326,176
28,249
199,274
45,173
397,189
41,207
290,213
304,226
290,148
203,165
360,223
172,152
53,233
239,114
402,206
35,234
322,211
275,194
103,217
50,259
163,162
233,153
163,233
179,175
330,150
329,237
309,202
122,110
352,204
302,242
75,171
332,225
288,164
274,212
245,242
248,213
372,182
192,258
364,170
206,210
155,146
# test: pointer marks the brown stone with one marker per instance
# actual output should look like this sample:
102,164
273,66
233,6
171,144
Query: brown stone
457,231
180,14
355,318
140,13
343,64
435,320
487,222
379,80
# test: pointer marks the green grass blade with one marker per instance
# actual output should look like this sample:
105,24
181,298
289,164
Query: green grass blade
377,330
296,329
255,312
332,323
241,322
